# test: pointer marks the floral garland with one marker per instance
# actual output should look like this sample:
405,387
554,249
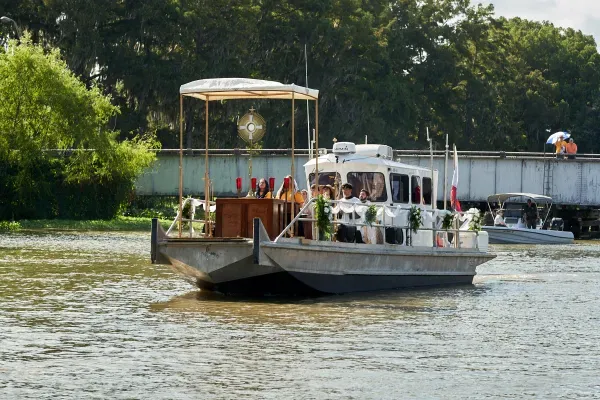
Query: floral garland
447,221
371,215
415,218
323,214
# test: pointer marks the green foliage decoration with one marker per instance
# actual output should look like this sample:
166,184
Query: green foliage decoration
448,220
323,213
371,215
415,218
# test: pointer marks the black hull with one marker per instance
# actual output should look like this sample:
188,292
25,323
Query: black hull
305,284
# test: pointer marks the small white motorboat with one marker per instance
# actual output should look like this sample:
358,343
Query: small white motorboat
515,231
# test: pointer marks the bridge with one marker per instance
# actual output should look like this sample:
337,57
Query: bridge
481,173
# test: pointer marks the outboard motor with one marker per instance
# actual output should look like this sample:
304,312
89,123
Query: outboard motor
557,224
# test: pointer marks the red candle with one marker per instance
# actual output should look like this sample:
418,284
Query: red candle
238,183
271,183
253,183
286,182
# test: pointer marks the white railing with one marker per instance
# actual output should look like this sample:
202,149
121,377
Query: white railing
191,220
455,231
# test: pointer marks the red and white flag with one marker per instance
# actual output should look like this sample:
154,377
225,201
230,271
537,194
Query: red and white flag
453,200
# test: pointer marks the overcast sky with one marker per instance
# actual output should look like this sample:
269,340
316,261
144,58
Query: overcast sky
583,15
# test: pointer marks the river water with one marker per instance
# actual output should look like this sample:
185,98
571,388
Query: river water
85,315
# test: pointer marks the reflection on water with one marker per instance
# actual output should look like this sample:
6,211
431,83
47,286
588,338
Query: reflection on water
86,315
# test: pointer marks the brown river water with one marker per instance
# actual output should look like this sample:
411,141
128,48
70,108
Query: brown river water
85,315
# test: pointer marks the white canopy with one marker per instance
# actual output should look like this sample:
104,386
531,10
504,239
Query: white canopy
502,197
242,88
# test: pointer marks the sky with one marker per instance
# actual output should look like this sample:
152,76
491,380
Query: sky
583,15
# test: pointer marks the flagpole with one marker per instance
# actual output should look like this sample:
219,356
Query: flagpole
434,200
446,174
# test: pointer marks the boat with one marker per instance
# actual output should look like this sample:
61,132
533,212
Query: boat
515,231
252,247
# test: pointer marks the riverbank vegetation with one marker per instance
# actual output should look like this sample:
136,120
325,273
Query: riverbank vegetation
58,156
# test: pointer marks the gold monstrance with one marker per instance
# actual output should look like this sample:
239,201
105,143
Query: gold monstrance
251,128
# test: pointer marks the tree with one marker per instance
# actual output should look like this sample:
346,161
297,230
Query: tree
54,135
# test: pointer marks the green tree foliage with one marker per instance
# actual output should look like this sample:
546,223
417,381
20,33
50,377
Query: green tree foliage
56,154
385,69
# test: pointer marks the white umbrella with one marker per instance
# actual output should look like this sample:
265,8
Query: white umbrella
554,137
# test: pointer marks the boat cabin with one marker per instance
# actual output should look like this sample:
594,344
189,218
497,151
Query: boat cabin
372,167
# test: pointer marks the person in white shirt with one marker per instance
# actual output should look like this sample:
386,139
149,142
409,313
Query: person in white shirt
347,197
499,220
363,196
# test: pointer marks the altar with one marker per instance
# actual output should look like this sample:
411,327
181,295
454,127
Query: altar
234,217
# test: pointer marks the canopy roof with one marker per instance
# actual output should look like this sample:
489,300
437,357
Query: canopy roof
242,88
502,197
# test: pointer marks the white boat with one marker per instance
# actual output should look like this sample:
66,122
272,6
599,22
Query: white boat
253,252
515,231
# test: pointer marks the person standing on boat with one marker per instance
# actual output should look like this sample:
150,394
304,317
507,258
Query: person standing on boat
328,192
363,196
263,191
531,214
348,215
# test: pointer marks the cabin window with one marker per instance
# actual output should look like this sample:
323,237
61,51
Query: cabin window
415,189
427,190
373,182
400,189
325,178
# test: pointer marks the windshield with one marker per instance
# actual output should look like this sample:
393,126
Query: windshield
325,178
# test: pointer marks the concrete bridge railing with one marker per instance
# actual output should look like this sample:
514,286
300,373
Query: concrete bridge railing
570,182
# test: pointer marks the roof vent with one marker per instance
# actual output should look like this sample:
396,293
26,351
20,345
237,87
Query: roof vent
344,148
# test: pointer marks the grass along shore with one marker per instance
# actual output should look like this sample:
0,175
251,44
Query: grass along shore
116,224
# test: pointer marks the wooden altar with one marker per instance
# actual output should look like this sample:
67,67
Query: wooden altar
234,217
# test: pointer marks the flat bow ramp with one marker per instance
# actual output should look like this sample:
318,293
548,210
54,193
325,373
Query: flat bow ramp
568,182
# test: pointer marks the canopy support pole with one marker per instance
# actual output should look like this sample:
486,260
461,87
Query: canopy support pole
317,145
207,221
180,163
293,182
446,173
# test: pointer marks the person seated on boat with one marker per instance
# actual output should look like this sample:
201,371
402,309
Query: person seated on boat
328,192
290,194
363,196
530,213
263,191
499,220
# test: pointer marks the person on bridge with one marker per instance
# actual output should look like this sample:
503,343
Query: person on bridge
560,146
530,212
571,148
